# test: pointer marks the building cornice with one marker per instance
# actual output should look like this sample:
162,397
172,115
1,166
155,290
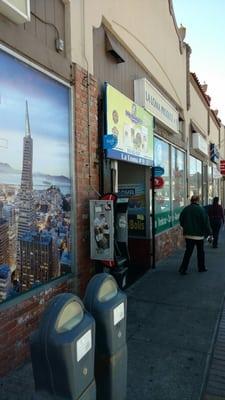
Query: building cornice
195,81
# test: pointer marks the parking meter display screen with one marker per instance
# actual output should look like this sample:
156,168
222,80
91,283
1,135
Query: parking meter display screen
107,291
70,316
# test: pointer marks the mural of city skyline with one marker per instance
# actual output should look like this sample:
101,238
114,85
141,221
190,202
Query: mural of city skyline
35,183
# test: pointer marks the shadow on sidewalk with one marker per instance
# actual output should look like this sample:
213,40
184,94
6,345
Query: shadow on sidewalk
170,331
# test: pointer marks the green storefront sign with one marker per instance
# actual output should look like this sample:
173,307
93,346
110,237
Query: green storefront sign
167,219
163,221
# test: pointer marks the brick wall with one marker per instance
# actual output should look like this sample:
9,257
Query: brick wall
19,320
167,242
87,166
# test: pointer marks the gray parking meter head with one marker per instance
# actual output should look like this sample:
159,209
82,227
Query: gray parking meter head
101,287
108,305
62,350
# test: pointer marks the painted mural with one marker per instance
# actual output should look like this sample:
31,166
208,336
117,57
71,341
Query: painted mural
35,179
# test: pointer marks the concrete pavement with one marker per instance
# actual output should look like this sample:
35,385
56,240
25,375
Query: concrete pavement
172,327
175,324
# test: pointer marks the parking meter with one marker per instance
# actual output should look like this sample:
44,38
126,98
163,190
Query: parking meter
108,305
62,351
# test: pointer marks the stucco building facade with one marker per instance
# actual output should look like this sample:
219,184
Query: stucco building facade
83,51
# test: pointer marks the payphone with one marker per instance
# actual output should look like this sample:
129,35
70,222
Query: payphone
121,241
121,225
109,235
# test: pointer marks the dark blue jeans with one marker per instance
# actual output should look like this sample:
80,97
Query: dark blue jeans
190,244
215,225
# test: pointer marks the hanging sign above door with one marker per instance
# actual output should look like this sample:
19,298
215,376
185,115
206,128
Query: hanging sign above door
133,127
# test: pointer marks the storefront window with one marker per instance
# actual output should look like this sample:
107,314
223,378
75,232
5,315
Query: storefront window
210,185
131,184
216,181
216,187
178,183
195,176
163,218
205,185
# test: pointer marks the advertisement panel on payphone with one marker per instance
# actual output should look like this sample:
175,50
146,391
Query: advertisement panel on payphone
102,229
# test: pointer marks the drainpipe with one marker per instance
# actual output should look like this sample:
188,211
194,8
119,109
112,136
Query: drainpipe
88,100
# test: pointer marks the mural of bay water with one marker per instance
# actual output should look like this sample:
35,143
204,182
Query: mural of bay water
35,178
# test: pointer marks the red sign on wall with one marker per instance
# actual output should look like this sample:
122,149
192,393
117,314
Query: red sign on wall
222,167
158,182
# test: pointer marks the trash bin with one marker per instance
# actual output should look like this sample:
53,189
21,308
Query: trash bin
62,351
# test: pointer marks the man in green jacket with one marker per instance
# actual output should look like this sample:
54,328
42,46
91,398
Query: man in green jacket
196,227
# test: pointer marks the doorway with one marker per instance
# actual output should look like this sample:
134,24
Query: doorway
134,182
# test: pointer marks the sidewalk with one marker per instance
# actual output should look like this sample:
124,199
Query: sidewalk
173,326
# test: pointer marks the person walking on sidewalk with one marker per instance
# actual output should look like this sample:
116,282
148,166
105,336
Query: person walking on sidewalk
195,223
216,218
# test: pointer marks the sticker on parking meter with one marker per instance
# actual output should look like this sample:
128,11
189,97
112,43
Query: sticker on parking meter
84,345
118,313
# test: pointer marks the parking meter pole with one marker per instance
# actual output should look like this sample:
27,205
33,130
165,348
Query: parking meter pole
108,305
62,351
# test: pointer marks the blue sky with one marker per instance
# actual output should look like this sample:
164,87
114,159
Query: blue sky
48,104
205,33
